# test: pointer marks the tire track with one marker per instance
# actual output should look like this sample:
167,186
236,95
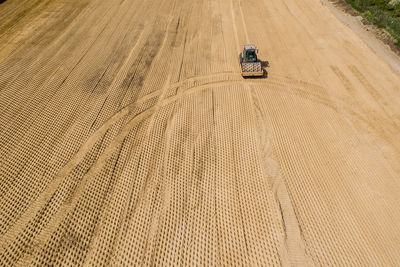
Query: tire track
293,253
57,181
41,141
244,23
190,90
374,93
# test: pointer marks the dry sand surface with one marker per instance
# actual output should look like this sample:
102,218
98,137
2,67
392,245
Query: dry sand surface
128,136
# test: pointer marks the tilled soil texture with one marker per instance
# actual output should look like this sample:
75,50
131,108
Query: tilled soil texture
128,136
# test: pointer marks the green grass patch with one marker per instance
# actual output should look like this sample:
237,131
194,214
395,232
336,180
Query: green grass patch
382,13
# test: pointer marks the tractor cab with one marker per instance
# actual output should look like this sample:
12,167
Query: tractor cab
249,53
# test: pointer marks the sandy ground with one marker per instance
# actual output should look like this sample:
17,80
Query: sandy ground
128,136
368,33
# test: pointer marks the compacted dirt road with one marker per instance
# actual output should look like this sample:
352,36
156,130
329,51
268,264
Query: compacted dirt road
128,136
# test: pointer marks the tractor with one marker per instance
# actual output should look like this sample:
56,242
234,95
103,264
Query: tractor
250,65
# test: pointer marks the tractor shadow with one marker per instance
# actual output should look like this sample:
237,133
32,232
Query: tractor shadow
264,65
2,1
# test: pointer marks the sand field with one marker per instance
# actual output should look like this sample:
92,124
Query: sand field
128,136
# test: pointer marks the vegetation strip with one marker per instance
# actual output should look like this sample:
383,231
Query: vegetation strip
382,13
